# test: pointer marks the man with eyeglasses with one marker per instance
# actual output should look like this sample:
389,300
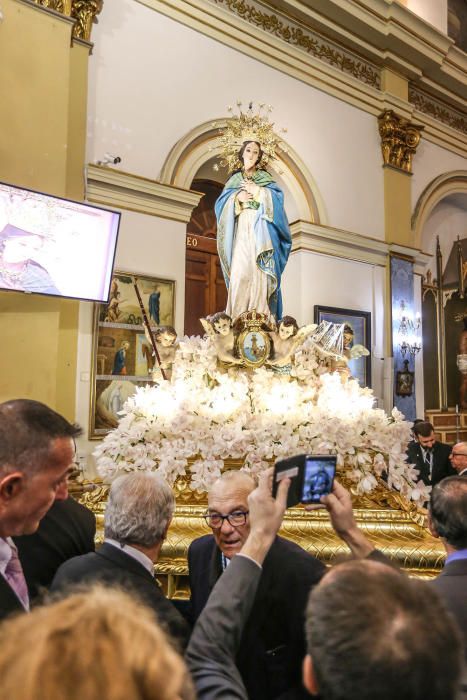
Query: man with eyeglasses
458,458
273,641
36,456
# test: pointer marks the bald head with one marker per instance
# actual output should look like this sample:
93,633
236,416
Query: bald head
229,495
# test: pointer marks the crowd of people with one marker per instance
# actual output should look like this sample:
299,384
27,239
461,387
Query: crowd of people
266,620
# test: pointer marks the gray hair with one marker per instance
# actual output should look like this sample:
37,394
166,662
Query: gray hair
139,509
235,478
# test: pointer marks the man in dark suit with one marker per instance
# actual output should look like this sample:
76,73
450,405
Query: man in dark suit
448,521
430,457
66,531
273,643
137,517
371,632
36,455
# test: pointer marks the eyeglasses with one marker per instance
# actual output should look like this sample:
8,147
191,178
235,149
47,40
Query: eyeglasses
216,520
458,454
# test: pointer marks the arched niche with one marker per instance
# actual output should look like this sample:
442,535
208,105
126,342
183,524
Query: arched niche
439,189
190,155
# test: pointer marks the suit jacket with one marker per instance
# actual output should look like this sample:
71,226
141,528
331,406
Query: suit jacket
9,603
451,585
111,566
217,634
66,531
441,463
273,641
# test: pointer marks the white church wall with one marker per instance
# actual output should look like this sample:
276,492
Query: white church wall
447,220
152,80
433,11
431,161
313,279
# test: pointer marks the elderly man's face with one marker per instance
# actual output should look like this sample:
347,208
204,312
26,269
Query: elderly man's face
32,496
226,498
458,457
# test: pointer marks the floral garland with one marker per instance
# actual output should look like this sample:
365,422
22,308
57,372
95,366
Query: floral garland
206,416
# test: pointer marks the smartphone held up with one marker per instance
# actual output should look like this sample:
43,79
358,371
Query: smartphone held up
311,477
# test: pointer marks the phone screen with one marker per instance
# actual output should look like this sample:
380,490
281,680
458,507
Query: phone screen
318,477
311,477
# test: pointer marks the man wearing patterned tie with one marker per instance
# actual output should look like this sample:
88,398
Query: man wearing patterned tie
428,455
36,455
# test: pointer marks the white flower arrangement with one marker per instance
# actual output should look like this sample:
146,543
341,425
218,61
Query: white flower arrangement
206,416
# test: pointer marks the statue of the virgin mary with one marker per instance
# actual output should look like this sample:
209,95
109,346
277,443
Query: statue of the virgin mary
253,236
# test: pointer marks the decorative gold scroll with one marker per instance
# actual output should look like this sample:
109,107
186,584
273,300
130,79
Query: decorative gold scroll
84,12
399,140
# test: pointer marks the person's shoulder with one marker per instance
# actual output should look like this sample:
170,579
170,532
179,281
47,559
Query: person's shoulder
72,570
291,553
443,446
202,544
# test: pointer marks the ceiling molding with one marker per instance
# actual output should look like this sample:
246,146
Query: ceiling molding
414,49
115,188
339,243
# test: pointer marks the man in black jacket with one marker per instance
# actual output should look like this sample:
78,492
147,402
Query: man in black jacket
430,457
137,517
273,642
36,455
66,531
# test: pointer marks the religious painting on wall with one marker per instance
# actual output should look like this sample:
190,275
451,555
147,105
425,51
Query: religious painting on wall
357,333
122,356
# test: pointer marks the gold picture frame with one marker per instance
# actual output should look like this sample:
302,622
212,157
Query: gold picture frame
122,357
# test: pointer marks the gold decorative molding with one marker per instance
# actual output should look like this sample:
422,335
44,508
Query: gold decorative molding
85,13
393,525
437,109
62,6
310,42
399,140
115,188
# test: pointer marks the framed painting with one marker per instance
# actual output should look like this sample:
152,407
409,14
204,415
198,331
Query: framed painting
122,356
360,323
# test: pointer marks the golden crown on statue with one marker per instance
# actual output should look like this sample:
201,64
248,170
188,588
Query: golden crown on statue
248,126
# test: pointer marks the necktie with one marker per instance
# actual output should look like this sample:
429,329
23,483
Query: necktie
15,577
428,461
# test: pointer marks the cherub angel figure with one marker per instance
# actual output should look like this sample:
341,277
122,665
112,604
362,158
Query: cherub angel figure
165,337
286,338
350,352
219,328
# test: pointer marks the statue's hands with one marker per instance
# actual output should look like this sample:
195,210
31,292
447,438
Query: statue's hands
244,196
251,188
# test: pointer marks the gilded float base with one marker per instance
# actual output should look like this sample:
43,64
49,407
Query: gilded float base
393,525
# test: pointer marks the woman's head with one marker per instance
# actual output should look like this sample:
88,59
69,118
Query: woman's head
250,154
95,644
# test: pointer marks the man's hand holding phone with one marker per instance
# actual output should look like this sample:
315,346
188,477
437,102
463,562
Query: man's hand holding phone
339,506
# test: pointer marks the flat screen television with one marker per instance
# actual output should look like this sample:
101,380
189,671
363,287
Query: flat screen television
55,246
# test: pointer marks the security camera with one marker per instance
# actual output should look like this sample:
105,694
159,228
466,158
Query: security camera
109,159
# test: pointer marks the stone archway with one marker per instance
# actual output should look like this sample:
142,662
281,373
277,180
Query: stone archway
201,144
441,187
